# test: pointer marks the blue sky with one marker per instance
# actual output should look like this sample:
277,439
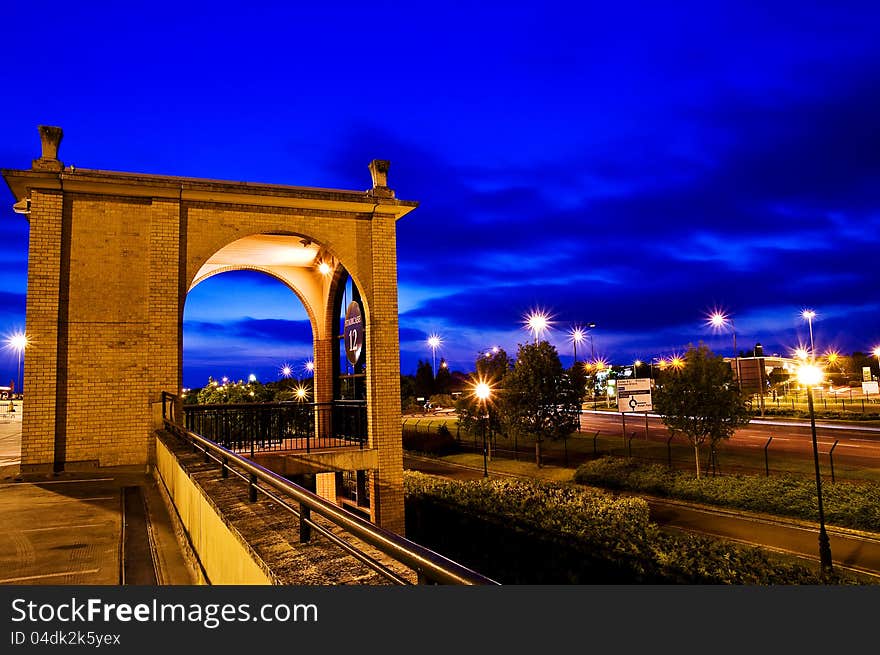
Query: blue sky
634,165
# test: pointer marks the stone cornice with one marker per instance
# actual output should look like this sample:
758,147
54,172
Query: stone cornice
185,189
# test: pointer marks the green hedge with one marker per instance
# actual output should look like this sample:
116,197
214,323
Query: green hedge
530,532
846,504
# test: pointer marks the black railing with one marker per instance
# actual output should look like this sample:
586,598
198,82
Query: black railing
430,567
260,427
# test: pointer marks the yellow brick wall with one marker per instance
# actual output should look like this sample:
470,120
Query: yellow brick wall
131,261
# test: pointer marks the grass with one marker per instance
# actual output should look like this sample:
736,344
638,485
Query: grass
677,453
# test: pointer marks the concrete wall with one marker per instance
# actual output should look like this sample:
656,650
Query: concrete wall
224,554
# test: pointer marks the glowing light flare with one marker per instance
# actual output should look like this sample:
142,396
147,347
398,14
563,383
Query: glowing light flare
537,322
676,361
301,393
718,319
808,314
577,335
286,370
876,352
809,375
324,268
482,391
310,366
832,356
18,341
801,353
434,341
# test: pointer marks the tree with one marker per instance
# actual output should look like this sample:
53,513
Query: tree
424,382
701,400
539,398
407,391
443,381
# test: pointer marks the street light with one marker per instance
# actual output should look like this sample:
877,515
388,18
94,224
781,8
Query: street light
576,336
483,391
809,315
718,320
876,354
286,370
810,375
18,342
537,322
434,342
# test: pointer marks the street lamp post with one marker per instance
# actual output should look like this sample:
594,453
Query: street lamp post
18,342
809,315
877,355
810,375
537,322
719,320
577,336
482,391
434,343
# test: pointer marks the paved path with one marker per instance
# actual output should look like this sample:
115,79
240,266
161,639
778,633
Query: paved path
68,528
10,439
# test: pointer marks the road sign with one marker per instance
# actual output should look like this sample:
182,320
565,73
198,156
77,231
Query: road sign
634,395
866,373
870,388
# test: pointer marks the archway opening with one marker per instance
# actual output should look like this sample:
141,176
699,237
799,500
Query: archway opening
242,326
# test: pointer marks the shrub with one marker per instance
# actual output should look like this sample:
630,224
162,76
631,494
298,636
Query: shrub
529,532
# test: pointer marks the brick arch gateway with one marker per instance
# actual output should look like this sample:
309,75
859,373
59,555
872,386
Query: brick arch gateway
111,258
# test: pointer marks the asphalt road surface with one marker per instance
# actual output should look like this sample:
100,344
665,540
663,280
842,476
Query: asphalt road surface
858,445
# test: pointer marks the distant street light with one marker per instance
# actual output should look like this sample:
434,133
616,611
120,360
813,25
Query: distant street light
810,375
18,342
809,315
434,342
286,370
310,366
537,322
483,392
719,320
576,336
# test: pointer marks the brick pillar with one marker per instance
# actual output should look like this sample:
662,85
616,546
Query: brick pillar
323,381
167,295
47,292
383,380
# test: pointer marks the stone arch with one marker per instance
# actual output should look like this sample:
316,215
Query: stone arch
266,271
111,258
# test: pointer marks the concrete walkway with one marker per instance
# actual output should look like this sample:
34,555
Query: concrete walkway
69,528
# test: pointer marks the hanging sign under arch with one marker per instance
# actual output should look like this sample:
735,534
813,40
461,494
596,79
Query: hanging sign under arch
353,333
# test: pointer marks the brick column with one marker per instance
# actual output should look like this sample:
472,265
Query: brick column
167,295
45,295
383,380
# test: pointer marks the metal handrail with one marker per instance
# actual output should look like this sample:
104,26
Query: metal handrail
429,565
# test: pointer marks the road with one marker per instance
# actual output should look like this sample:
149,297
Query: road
10,439
856,444
850,549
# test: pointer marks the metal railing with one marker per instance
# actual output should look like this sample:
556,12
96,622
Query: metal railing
429,566
260,427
